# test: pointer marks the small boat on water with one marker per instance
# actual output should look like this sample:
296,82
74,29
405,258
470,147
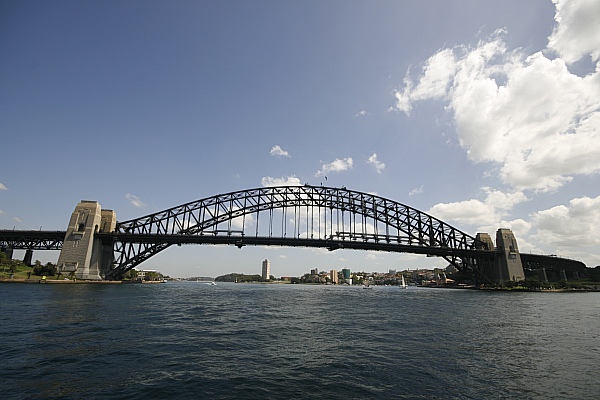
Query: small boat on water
403,284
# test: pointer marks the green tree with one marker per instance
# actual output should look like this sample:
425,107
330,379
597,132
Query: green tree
48,269
595,274
153,276
132,274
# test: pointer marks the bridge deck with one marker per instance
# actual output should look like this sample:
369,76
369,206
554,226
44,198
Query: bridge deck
31,240
329,244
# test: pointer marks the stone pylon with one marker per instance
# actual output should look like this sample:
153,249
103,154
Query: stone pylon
508,265
82,254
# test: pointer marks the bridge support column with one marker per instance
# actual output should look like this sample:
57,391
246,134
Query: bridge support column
28,257
82,254
9,253
508,265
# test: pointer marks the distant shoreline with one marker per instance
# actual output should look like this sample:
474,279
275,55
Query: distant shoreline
99,282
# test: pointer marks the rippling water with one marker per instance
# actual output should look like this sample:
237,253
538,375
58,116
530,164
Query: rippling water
231,341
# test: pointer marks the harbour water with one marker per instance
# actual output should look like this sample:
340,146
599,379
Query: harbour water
255,341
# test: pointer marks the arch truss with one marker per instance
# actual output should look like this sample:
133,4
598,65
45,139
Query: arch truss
310,216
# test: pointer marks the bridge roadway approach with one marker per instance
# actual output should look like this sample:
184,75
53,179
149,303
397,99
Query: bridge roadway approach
96,246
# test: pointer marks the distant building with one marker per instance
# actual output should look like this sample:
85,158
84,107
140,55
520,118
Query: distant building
346,273
314,271
141,273
266,269
333,275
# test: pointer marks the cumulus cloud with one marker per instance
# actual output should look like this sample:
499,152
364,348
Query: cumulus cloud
361,113
574,225
279,152
135,200
2,187
379,166
268,181
487,212
576,33
527,113
337,165
433,82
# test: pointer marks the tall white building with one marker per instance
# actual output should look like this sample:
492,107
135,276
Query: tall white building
266,269
333,275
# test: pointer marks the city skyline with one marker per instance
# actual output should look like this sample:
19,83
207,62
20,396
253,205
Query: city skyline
485,115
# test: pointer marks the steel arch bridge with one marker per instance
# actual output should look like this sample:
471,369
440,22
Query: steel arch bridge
306,216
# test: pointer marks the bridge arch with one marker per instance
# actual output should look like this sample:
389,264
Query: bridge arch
309,216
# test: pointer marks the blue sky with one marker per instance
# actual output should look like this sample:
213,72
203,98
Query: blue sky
484,114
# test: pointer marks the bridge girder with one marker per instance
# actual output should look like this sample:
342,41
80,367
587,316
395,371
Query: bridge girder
311,216
31,240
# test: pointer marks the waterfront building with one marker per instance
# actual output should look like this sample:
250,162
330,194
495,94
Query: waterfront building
314,271
346,273
333,275
141,273
266,269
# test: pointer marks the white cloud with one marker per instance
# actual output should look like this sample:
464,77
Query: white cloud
487,212
135,200
2,187
528,114
574,225
361,113
17,219
416,191
577,30
279,152
433,82
268,181
379,166
1,212
338,165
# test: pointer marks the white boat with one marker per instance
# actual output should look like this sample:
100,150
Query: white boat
403,285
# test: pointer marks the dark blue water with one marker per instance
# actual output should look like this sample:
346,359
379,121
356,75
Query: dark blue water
231,341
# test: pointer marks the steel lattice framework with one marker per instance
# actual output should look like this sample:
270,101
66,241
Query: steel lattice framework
31,240
310,216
